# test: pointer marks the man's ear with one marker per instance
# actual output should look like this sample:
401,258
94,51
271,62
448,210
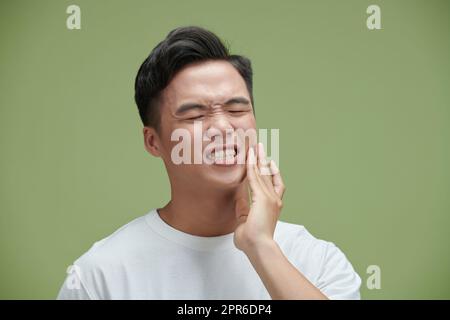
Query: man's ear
152,142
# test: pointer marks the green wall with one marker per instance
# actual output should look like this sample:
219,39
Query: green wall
364,119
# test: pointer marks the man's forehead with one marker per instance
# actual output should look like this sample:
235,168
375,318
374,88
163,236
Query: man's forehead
206,83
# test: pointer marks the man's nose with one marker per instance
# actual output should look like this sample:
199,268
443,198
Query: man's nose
219,125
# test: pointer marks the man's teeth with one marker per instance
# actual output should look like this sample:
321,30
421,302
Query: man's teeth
221,155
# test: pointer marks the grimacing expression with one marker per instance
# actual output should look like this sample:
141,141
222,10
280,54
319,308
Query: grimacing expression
214,93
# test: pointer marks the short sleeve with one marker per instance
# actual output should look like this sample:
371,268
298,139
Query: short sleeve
73,288
337,279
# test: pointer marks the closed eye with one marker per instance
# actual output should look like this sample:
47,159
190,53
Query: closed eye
195,118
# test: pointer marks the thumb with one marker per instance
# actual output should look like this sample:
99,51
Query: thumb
242,209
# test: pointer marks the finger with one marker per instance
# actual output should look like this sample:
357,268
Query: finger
277,181
257,185
263,164
265,169
253,180
242,209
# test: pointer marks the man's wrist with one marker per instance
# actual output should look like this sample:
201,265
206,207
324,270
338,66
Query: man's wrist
262,249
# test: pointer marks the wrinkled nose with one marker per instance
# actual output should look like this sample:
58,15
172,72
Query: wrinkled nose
220,125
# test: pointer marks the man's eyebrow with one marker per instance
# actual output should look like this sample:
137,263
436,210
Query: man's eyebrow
240,100
185,107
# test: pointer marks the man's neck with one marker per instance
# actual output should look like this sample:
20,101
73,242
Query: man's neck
205,213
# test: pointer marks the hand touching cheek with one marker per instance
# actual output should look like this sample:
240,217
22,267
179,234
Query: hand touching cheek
258,218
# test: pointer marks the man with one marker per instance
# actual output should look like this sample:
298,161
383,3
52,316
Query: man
211,241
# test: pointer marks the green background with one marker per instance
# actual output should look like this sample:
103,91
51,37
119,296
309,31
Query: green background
363,115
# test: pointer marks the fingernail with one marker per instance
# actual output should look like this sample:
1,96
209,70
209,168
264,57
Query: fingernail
274,166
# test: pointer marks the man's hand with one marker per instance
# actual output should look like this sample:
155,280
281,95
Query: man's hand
257,221
254,233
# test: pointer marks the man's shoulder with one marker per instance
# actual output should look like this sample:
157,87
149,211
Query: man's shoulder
117,246
294,237
321,261
288,231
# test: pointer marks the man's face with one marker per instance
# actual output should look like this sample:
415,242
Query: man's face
214,93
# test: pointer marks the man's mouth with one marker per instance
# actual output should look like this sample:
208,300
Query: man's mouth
225,155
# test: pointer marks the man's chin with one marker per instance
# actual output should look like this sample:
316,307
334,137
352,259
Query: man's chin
225,177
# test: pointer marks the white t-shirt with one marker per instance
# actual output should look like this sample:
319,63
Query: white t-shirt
149,259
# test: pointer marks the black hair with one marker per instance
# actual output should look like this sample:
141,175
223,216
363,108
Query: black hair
182,46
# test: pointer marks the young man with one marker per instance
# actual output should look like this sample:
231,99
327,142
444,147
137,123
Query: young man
211,241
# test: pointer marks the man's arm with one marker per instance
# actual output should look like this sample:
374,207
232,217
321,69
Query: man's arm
73,288
281,279
254,234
